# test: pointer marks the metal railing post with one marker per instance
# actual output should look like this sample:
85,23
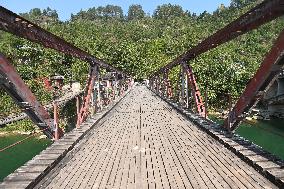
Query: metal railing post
55,121
186,91
182,86
78,110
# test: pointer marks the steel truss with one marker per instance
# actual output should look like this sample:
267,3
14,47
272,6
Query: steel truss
23,96
271,67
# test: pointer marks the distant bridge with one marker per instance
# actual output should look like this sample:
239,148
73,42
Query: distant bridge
133,136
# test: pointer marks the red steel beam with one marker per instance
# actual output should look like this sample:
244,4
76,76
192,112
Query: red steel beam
195,90
167,83
264,12
13,84
169,88
21,27
265,76
84,110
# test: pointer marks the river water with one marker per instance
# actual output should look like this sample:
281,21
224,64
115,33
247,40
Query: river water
267,134
13,158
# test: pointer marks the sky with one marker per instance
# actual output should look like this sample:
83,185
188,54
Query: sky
66,7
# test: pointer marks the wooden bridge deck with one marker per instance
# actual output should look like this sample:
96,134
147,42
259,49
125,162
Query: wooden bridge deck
144,143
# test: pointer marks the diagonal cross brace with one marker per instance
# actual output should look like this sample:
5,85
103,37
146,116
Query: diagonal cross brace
23,96
264,12
195,90
84,110
265,76
21,27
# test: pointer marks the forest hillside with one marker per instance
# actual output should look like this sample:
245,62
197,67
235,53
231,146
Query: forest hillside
139,44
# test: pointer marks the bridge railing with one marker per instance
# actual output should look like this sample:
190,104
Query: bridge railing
100,91
186,92
270,68
93,98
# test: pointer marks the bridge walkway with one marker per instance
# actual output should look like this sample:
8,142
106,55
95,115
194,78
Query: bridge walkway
144,143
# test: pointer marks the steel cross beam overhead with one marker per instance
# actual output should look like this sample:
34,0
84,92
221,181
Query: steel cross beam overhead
264,12
21,27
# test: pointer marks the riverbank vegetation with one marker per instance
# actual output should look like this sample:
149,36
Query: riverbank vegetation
139,44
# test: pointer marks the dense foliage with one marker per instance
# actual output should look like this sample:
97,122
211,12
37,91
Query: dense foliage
140,44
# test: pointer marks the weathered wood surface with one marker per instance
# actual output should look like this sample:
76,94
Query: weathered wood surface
144,143
28,175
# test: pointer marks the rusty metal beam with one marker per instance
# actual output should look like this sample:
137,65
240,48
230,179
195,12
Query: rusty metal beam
264,12
84,110
13,84
200,108
265,76
21,27
17,117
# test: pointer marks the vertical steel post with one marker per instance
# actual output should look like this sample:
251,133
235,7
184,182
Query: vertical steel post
177,89
55,117
95,99
166,84
115,86
186,91
78,109
107,89
123,85
160,84
206,103
182,86
195,90
94,93
169,87
84,111
99,98
157,84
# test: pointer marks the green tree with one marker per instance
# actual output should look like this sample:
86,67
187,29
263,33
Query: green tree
167,11
135,12
241,3
41,17
110,12
142,45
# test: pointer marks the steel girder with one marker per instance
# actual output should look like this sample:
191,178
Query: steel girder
264,12
21,27
13,84
265,76
271,67
84,110
200,108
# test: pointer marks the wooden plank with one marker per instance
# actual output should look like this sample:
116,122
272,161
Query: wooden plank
117,161
205,170
160,174
220,157
101,163
143,143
